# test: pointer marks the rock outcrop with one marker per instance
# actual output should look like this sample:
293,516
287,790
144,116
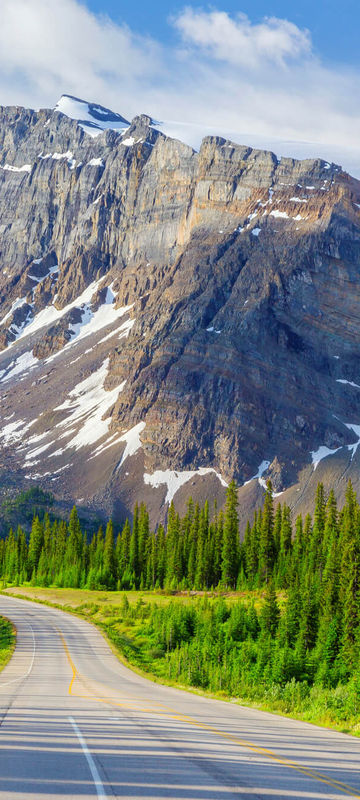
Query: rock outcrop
220,289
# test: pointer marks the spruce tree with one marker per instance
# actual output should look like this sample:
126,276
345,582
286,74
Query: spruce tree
144,534
277,529
35,545
109,557
229,567
266,548
123,549
270,614
134,547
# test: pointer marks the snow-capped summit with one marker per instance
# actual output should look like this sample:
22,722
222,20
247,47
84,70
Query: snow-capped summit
93,118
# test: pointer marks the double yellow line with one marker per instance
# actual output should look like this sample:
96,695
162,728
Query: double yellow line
172,714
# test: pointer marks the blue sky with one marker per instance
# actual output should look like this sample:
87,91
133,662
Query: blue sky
267,73
334,25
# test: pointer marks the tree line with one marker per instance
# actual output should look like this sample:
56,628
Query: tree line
313,565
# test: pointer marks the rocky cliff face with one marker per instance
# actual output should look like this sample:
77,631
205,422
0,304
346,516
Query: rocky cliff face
173,319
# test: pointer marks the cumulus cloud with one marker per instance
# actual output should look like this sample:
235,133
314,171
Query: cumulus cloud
239,42
260,84
48,47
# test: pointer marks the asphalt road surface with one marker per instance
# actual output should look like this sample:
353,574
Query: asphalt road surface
75,723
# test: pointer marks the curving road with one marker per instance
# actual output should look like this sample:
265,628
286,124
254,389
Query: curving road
76,724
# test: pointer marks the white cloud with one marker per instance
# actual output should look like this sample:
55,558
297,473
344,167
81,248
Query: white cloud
260,84
48,47
239,42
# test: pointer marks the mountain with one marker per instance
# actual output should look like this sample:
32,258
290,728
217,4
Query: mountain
171,319
92,118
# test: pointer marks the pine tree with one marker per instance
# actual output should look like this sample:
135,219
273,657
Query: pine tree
229,567
144,534
285,532
11,557
293,612
201,559
277,529
270,614
252,544
35,545
47,538
173,549
267,554
73,551
160,557
192,546
109,557
23,554
151,563
123,549
134,545
99,560
351,607
308,623
316,549
218,546
60,546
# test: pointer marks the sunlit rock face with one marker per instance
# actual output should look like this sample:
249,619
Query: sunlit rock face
170,319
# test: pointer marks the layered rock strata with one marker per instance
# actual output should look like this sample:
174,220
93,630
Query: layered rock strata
207,304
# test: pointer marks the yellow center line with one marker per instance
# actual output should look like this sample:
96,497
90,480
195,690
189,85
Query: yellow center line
75,673
270,754
173,714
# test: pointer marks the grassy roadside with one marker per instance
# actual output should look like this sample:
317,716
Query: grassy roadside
7,641
74,598
128,635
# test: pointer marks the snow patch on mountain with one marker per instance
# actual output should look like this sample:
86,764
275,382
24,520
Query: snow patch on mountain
40,278
128,142
355,429
123,331
88,402
68,156
95,162
94,321
10,168
323,452
22,364
51,314
132,441
92,118
91,321
20,301
259,475
13,431
175,480
279,214
349,383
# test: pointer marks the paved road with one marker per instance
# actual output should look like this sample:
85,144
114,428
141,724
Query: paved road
75,723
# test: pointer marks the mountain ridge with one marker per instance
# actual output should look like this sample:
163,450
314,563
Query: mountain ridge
206,291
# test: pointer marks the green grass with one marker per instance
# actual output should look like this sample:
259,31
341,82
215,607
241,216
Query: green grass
7,641
73,598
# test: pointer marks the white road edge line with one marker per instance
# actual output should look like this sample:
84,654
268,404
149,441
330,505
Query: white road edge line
22,677
92,766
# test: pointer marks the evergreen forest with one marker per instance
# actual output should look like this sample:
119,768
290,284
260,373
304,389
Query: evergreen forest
294,629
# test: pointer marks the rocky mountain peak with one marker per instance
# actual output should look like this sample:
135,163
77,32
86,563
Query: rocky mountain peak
170,319
92,117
